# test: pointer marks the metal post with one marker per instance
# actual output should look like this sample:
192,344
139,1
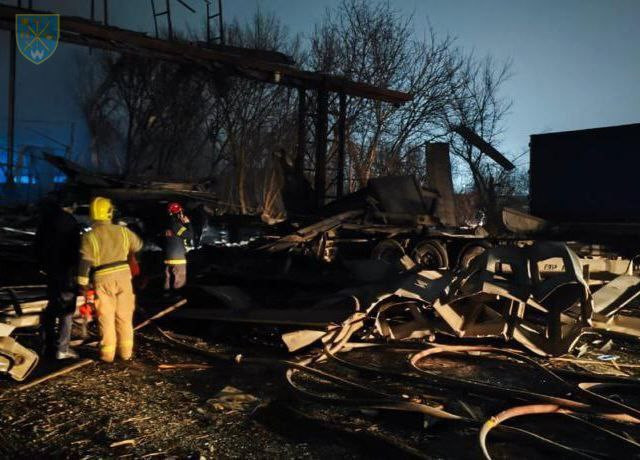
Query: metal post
106,12
169,25
155,17
321,145
72,137
208,22
12,103
220,22
93,18
302,132
350,177
342,117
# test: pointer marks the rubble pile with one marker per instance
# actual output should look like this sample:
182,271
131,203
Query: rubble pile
504,294
385,354
389,292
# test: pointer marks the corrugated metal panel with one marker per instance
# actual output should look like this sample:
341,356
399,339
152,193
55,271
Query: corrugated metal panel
591,175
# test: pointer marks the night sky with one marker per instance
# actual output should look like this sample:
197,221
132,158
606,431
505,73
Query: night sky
576,62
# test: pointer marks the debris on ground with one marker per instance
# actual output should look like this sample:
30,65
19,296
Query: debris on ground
393,349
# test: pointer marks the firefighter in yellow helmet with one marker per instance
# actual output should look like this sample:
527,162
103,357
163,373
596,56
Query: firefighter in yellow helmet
103,259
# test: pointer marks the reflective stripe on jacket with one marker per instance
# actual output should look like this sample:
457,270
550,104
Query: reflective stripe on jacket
176,239
104,250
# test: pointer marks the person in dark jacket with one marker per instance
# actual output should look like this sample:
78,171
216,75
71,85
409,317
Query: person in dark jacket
177,235
56,246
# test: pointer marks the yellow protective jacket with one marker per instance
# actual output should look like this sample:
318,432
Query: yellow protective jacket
104,250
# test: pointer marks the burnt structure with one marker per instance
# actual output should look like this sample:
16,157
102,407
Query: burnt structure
259,65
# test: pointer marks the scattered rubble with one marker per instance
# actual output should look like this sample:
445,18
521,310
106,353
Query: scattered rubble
504,293
425,321
15,313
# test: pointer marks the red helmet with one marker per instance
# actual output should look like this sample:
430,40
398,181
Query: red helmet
174,208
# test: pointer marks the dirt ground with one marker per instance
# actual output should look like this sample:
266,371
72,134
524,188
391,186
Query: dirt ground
152,412
230,410
137,410
223,409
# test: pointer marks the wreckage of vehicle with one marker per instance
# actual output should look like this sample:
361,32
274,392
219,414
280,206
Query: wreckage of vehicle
504,293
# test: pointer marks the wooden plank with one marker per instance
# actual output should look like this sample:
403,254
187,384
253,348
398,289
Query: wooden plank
53,375
87,361
159,315
316,318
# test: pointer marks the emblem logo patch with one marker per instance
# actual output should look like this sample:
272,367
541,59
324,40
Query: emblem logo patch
37,35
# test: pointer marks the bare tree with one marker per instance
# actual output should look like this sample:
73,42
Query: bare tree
476,103
159,111
372,42
255,118
184,122
181,122
96,104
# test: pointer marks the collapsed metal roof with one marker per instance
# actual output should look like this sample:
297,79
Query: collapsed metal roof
265,66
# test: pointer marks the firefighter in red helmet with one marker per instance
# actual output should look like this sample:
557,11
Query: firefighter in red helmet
177,235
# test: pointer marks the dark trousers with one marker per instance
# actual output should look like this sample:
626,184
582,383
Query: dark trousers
175,276
57,317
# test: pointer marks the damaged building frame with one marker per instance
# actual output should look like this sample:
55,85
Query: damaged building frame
264,66
439,277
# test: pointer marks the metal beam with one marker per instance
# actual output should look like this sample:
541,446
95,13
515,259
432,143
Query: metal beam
76,30
220,22
489,150
169,24
342,119
11,112
208,13
105,9
187,6
155,18
302,133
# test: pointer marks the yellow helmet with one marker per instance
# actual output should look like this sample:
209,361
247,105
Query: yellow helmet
101,209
